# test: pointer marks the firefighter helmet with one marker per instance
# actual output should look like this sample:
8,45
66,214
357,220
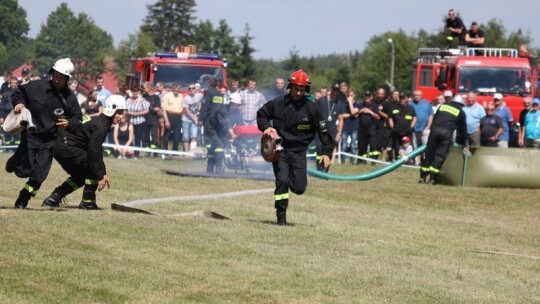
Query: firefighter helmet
63,66
299,78
114,103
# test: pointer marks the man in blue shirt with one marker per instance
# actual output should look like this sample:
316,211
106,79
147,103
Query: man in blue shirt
474,112
424,118
532,126
506,116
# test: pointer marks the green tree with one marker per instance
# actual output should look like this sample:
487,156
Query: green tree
170,22
76,37
13,29
247,67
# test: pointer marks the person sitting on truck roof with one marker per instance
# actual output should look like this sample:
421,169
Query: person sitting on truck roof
475,36
456,29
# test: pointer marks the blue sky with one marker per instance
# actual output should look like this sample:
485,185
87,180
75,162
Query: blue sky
312,27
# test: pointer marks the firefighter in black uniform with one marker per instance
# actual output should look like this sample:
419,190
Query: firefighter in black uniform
214,118
82,158
449,117
34,155
402,122
296,120
368,120
328,106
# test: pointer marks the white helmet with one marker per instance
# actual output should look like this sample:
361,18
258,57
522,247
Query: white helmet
63,66
458,98
113,103
236,98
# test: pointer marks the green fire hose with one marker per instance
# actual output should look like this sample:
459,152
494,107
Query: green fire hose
370,175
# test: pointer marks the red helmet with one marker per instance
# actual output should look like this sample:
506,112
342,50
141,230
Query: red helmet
299,78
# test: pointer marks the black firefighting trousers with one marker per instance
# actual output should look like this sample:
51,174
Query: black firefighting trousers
439,141
291,174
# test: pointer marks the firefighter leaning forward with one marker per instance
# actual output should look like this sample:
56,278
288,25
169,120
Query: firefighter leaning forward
296,120
34,154
449,118
80,155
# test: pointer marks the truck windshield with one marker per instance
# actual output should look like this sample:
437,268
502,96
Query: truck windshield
486,80
186,74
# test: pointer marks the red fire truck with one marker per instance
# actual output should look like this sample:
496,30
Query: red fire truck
485,71
183,66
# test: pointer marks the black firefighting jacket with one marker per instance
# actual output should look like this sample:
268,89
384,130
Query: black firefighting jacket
296,122
451,116
89,137
41,98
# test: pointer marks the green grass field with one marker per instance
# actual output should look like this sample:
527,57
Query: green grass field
387,240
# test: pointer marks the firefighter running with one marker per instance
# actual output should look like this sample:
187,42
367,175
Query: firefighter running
449,117
82,158
296,120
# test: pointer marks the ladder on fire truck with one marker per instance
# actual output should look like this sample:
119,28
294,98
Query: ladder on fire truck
437,55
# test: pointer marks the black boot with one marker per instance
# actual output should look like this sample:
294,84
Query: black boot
434,178
423,177
281,217
23,199
89,199
53,200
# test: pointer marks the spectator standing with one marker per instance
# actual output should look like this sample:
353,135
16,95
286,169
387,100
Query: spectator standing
527,103
504,113
296,120
173,107
74,87
5,108
191,110
154,112
532,126
137,108
491,127
160,91
348,126
278,89
439,100
368,119
402,122
384,134
449,118
329,108
235,85
252,100
456,29
474,113
5,84
25,76
103,93
34,154
424,118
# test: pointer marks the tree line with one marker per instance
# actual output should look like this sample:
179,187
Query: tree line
169,23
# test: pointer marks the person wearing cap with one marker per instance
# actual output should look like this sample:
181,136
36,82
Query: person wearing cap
402,122
368,121
296,120
405,149
474,113
491,127
25,76
449,118
527,106
80,155
532,126
235,111
191,109
504,113
448,95
43,98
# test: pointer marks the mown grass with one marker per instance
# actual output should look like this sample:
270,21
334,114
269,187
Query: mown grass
387,240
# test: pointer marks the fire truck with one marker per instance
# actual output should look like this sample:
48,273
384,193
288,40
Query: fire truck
485,71
182,66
